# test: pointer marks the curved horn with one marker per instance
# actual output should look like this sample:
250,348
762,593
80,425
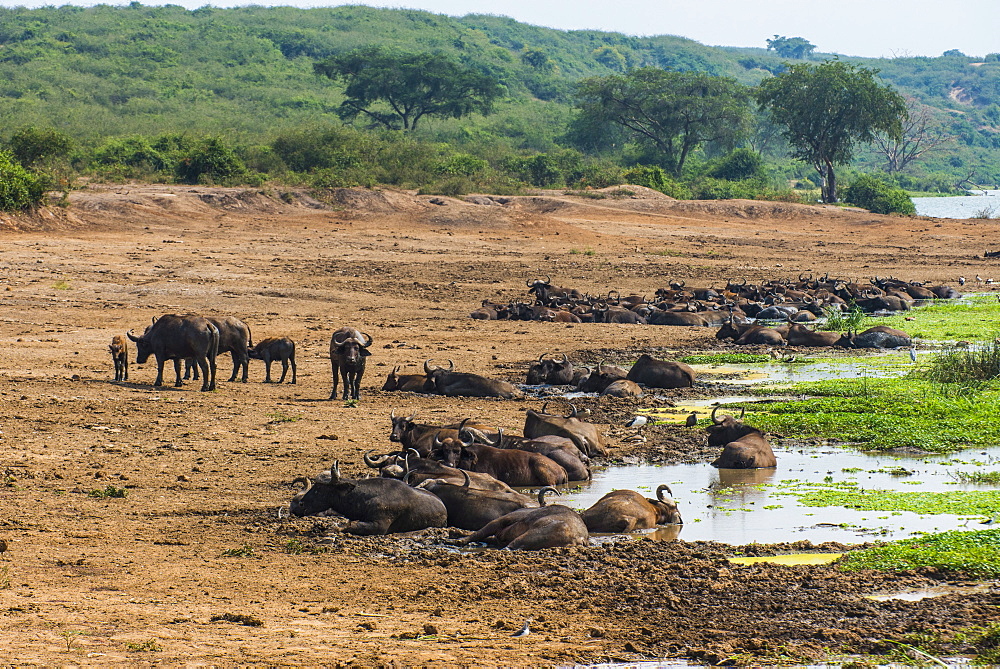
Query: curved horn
337,340
572,412
547,280
529,283
541,494
392,414
363,344
427,369
335,471
743,411
716,421
466,483
131,336
544,404
371,462
565,358
470,442
499,440
451,366
542,357
659,492
437,439
303,479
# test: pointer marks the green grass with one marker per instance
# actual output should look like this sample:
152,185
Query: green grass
964,364
243,551
882,414
992,478
975,553
724,359
108,492
949,320
280,417
850,496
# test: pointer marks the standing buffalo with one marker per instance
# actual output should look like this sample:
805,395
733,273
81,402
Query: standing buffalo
627,510
743,447
234,337
275,348
119,355
441,381
375,506
654,373
533,529
174,337
348,350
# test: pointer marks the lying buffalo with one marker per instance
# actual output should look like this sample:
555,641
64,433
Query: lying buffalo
548,369
627,510
743,447
880,336
471,508
413,383
533,529
413,469
586,436
596,381
654,373
374,506
174,337
441,381
513,467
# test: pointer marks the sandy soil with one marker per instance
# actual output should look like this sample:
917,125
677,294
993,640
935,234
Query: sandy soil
195,564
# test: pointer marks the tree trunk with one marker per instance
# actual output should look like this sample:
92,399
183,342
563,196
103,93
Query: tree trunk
831,184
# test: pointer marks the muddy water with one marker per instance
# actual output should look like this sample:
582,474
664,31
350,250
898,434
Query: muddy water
745,506
783,374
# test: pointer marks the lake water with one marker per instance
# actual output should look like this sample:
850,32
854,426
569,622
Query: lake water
959,207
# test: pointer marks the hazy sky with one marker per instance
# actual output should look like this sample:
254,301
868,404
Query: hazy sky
852,27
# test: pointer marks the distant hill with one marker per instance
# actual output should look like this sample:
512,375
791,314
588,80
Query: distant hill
102,71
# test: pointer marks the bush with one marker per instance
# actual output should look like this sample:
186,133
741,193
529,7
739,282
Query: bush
738,165
31,145
210,162
878,196
653,176
135,152
19,189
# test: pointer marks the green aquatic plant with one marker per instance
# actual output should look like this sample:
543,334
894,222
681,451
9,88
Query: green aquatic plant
848,495
966,364
724,358
975,553
972,318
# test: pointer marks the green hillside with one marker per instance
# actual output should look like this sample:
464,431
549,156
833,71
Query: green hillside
246,74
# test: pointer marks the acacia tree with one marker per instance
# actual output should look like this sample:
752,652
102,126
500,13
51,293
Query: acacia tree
395,89
827,110
673,112
791,47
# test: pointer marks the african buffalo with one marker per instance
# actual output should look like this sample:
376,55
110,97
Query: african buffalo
550,370
271,349
174,337
880,336
559,449
413,383
801,335
513,467
348,350
234,338
745,333
596,381
654,373
471,508
119,355
586,436
374,506
441,381
743,447
623,388
627,510
533,529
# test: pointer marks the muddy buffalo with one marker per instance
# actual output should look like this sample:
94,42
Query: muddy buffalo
743,447
654,373
585,435
534,529
627,510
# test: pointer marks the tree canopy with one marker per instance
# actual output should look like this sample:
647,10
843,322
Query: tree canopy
395,89
828,109
671,112
791,47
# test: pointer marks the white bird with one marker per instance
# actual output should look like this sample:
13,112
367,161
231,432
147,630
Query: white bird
524,631
961,280
637,421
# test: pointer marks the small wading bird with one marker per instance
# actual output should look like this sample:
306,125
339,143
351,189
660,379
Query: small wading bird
913,354
523,632
692,419
637,421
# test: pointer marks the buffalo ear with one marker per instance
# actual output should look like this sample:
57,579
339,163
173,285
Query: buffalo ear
365,351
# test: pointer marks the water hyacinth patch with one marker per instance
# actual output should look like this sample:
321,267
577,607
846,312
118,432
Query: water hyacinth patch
976,553
850,496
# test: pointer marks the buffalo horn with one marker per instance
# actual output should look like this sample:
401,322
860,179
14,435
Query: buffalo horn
338,341
542,357
335,471
548,281
303,479
465,475
373,463
572,412
131,336
369,337
659,492
541,494
544,404
565,358
427,368
743,411
392,414
716,421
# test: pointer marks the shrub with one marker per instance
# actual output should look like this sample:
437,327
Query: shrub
878,196
19,188
134,152
964,364
738,165
210,162
653,176
31,145
462,164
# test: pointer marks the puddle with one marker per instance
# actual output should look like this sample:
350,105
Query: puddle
930,593
679,412
791,560
880,366
742,506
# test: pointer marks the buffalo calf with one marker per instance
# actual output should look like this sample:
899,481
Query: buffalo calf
271,349
119,355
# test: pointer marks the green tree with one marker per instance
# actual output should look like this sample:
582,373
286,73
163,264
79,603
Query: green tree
879,196
827,110
396,88
673,113
19,189
791,47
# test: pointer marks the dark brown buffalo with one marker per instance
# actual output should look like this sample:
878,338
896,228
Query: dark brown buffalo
559,449
413,469
654,373
513,467
375,506
413,383
623,388
801,335
174,337
234,338
627,511
557,372
880,336
441,381
119,356
534,529
471,508
597,380
420,436
745,333
743,447
275,349
586,436
348,350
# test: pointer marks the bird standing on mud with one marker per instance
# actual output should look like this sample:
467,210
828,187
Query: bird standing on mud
692,419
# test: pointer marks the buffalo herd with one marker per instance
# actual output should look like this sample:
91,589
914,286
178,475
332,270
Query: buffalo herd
464,475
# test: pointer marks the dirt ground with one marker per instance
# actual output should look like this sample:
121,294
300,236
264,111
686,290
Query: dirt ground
196,564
